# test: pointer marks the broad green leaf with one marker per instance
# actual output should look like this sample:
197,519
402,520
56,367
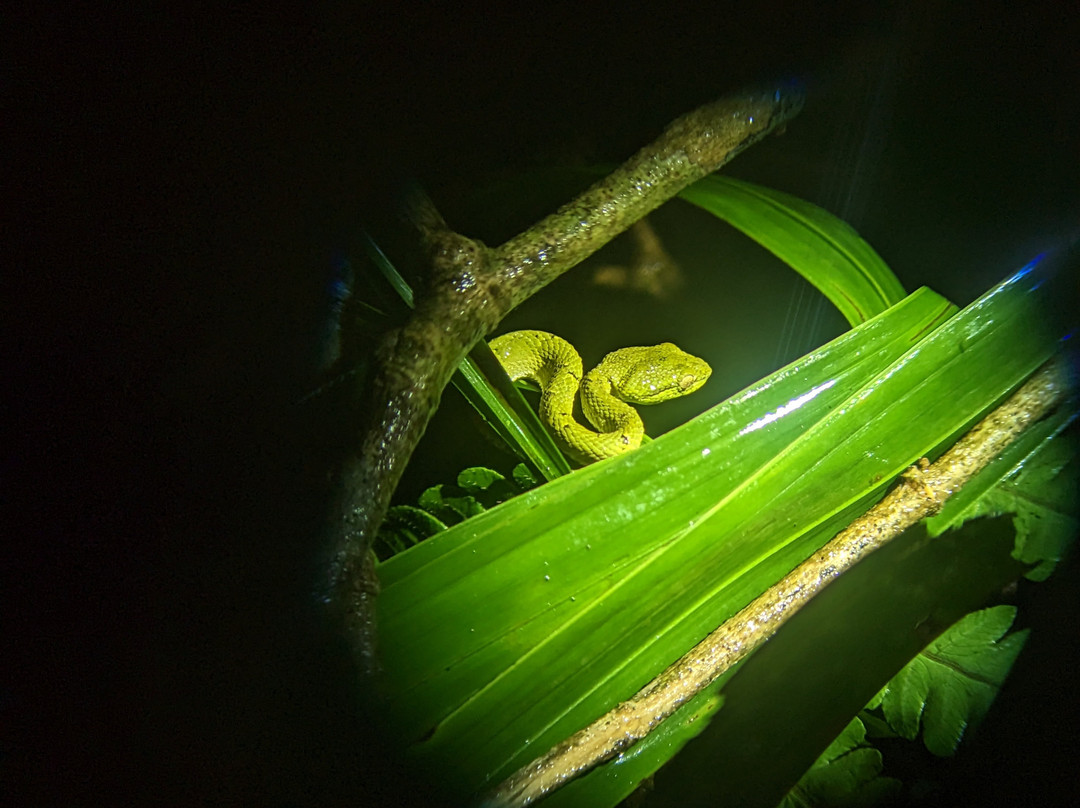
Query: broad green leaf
952,683
848,773
822,248
503,635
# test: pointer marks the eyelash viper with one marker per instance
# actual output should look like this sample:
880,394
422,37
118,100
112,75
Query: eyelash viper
645,375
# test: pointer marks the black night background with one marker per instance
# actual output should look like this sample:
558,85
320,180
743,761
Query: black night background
183,187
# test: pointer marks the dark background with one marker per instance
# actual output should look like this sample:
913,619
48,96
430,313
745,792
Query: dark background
182,187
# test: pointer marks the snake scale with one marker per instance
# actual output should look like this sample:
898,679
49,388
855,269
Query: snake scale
644,375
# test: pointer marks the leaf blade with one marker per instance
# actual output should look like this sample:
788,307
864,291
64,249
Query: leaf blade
952,683
822,248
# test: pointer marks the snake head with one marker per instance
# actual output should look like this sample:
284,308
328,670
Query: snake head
649,375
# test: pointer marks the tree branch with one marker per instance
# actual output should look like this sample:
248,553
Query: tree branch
471,287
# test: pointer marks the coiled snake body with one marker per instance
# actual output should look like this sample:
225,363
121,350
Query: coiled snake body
646,375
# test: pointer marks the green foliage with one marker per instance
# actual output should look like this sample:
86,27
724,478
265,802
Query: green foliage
404,526
441,505
848,773
1036,480
507,632
823,249
1045,508
952,683
485,385
946,689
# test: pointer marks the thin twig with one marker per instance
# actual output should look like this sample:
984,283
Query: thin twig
921,493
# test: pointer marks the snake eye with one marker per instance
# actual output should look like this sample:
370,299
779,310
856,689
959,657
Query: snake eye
687,381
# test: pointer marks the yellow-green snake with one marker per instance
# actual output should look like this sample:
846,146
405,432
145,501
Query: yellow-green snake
646,375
